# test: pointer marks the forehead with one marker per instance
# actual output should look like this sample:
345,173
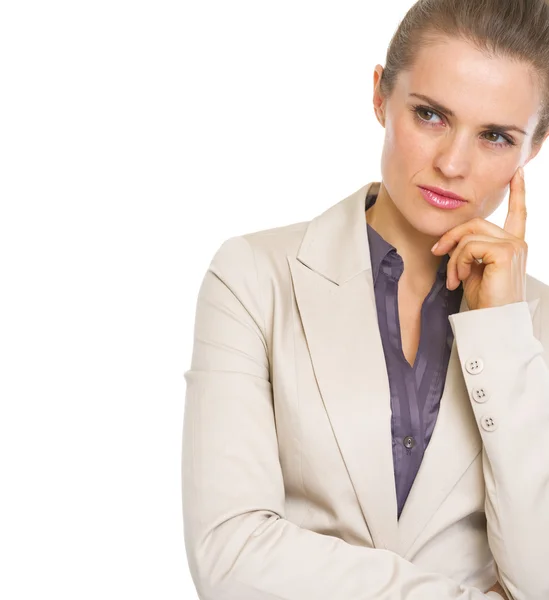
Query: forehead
471,83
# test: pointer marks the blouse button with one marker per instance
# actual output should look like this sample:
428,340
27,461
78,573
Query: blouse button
409,442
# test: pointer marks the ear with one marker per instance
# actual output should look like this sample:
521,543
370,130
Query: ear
379,100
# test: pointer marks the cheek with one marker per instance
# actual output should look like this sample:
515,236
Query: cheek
404,145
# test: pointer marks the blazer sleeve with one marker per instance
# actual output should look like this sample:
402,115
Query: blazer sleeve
239,544
507,377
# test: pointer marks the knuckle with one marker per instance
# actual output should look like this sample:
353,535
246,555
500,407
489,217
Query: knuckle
466,239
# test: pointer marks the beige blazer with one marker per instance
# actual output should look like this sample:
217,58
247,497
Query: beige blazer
288,481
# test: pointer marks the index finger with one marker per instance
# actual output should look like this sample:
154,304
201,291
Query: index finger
515,223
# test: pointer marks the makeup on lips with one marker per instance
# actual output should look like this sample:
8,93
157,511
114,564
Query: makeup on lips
439,200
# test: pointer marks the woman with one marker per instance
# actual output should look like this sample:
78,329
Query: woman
334,358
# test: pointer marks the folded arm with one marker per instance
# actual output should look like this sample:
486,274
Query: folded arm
239,544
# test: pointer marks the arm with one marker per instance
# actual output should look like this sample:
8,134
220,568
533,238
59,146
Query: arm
515,381
239,544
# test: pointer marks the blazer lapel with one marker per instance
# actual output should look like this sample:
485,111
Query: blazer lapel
335,295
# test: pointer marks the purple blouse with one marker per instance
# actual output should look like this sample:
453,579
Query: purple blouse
415,391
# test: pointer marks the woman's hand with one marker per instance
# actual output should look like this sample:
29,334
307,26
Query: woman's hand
489,260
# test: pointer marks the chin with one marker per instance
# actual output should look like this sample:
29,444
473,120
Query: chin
433,223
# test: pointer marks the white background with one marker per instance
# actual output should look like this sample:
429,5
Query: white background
135,138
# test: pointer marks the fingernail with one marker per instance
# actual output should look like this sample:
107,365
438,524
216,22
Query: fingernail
434,247
521,172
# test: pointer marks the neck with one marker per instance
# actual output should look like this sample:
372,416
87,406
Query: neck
420,264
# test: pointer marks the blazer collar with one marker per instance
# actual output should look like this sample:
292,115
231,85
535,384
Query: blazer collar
335,244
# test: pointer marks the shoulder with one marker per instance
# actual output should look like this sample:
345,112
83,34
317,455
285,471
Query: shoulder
537,296
536,288
265,250
253,268
537,291
322,235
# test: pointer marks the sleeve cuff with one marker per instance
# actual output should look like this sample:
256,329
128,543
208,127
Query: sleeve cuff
508,325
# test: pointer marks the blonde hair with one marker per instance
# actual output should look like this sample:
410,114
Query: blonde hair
515,29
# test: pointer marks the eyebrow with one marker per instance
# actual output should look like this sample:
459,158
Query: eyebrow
436,105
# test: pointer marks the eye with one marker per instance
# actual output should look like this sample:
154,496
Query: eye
424,110
418,110
507,141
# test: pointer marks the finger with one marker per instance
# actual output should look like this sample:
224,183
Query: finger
477,226
492,253
451,267
515,223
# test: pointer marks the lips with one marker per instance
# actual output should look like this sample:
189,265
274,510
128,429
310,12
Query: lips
439,201
442,192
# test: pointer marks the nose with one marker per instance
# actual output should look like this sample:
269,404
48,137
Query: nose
453,156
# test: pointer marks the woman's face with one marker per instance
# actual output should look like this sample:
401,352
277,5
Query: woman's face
456,152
